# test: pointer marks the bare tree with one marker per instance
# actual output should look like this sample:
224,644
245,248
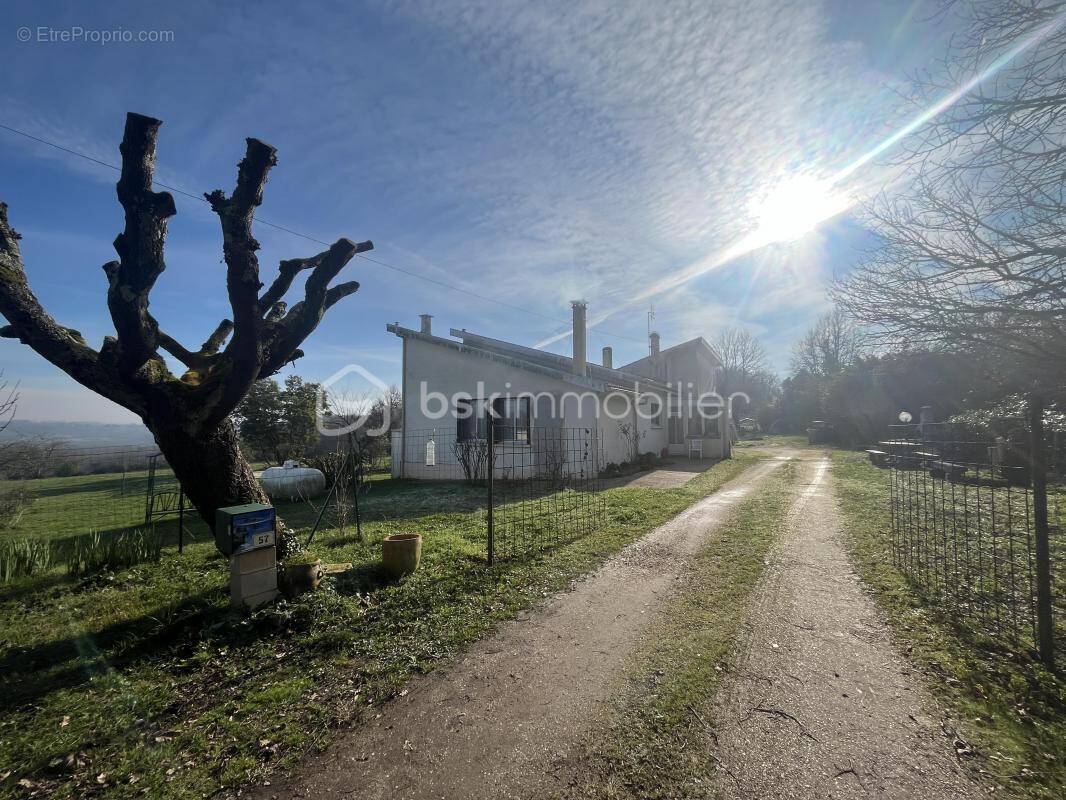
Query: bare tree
971,253
830,345
742,354
8,402
744,369
187,414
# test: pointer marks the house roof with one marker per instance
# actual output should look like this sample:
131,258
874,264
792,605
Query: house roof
597,378
699,343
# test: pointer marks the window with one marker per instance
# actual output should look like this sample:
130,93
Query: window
655,412
471,421
512,419
703,421
695,424
511,424
676,424
710,413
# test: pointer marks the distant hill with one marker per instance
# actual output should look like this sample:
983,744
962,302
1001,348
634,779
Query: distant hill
78,434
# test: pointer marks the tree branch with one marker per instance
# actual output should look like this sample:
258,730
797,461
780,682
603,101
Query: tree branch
304,316
139,246
239,249
288,271
33,326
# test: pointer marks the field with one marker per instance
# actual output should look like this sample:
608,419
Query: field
142,682
61,506
63,512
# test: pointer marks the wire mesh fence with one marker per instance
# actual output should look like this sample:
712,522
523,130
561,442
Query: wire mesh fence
543,487
964,533
57,491
532,487
61,505
436,454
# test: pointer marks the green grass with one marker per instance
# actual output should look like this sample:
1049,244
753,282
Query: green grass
1011,710
656,742
66,513
80,503
143,683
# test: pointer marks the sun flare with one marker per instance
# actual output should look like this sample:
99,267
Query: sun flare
796,206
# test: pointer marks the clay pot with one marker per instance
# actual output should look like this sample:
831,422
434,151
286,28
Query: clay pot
401,553
295,579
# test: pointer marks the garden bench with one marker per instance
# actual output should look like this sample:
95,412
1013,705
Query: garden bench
946,469
877,457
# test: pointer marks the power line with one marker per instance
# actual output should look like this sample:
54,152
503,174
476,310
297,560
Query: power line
309,238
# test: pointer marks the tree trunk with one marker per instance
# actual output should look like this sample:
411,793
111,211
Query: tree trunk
211,468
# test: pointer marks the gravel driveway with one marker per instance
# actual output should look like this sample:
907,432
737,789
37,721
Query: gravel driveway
820,704
515,708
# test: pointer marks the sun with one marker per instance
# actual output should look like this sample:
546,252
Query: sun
796,206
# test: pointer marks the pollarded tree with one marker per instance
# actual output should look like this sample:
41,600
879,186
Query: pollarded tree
188,414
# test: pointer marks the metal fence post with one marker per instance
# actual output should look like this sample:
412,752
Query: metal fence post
1045,635
491,466
181,519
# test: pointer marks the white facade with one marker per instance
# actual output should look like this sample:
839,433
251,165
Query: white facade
443,379
692,369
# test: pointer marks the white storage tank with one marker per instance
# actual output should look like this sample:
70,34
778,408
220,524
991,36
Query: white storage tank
292,482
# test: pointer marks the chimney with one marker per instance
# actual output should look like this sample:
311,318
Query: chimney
579,307
608,358
653,343
427,323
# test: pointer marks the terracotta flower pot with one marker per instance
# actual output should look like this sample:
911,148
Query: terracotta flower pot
295,579
401,553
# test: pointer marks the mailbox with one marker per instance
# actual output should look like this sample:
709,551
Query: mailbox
240,529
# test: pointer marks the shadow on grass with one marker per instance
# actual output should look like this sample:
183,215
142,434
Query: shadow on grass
71,661
363,579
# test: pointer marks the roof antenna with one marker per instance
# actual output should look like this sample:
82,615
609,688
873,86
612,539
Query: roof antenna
651,318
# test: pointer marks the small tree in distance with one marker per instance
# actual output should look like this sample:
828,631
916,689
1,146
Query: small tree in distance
744,371
259,419
279,423
188,414
8,402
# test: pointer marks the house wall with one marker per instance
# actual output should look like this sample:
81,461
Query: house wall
693,372
451,372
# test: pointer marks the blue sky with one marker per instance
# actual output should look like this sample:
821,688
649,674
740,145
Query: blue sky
530,151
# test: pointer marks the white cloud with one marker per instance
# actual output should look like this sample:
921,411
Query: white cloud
637,131
533,152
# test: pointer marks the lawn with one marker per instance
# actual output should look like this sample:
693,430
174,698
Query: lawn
1011,710
61,506
144,683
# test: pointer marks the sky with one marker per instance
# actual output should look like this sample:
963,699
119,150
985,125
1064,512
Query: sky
528,152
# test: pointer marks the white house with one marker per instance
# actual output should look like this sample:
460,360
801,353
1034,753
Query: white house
662,403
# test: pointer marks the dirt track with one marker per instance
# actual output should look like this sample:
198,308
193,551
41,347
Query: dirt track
499,722
820,704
